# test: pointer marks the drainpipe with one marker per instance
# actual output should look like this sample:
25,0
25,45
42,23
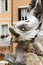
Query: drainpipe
11,23
12,12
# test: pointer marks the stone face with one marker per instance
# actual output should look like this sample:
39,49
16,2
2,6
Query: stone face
31,48
32,59
34,48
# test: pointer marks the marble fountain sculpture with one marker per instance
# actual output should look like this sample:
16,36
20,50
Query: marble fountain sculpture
26,34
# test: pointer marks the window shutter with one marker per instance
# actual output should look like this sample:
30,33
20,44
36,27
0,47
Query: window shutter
3,5
4,29
0,5
19,14
6,5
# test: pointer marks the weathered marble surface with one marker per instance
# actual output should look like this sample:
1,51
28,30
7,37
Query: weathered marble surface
32,59
29,37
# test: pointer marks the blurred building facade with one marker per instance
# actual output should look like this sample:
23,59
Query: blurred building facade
11,11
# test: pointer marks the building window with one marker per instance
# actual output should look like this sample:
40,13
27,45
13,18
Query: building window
22,12
4,5
4,29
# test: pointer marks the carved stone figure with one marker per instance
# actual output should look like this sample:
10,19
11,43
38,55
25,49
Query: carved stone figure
26,33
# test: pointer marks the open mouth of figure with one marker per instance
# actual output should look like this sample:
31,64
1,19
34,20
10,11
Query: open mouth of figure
13,32
16,34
